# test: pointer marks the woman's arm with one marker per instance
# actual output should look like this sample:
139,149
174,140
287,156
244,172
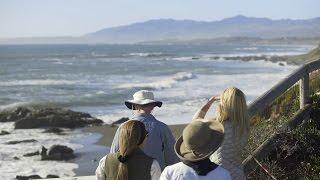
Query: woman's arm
201,113
100,172
155,171
115,143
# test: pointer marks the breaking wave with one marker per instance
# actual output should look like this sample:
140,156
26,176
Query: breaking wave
34,82
163,83
154,54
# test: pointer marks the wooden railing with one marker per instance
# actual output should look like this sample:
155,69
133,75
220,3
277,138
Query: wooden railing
302,75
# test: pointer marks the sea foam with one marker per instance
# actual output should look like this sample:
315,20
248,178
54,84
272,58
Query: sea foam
35,82
164,82
10,168
150,54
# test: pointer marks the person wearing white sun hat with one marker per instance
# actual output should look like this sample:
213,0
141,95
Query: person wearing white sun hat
142,97
160,142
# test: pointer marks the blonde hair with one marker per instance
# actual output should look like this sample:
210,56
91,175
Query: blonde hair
233,107
132,134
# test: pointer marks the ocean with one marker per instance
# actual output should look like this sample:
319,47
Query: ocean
98,79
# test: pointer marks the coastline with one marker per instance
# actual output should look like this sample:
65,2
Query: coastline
89,155
96,140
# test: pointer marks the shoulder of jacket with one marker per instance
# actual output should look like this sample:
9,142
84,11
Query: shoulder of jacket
223,171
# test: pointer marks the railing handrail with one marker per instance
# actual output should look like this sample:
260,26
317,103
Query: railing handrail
302,75
268,97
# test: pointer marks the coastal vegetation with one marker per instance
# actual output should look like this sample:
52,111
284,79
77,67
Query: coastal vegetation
312,55
298,155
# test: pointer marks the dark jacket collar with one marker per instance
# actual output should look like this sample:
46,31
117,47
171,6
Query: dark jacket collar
144,116
202,167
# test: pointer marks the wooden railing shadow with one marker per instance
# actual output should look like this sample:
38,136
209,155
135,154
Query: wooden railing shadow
301,75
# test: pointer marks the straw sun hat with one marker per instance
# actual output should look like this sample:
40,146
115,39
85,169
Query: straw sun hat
142,97
199,140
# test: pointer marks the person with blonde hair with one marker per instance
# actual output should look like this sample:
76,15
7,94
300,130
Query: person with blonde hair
232,112
130,162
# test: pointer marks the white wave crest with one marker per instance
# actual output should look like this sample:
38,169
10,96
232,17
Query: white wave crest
167,82
247,48
186,58
13,105
146,54
100,92
34,82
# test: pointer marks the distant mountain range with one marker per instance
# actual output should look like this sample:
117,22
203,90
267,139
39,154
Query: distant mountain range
169,30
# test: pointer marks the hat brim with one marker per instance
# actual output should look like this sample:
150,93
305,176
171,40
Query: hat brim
190,156
130,103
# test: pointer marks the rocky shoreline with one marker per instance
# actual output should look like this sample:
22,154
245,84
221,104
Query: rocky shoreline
58,121
281,60
289,59
47,117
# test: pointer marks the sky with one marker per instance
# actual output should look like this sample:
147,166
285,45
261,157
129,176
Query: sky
44,18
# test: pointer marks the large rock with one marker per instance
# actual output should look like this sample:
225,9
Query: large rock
45,117
14,114
57,152
28,177
120,121
32,154
4,133
52,176
54,130
21,141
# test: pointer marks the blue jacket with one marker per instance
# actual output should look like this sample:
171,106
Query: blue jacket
159,144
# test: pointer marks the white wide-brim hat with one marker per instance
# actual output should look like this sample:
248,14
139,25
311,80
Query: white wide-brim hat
142,97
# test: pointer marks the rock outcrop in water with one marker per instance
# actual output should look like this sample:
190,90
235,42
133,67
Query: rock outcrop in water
4,133
273,59
120,121
54,130
57,152
31,154
14,114
35,176
22,141
44,117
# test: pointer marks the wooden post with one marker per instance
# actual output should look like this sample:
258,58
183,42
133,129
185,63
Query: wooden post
304,90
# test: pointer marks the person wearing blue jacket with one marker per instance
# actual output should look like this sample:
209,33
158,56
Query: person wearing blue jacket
160,142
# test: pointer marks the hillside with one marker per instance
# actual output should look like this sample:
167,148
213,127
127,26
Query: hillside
170,31
238,26
312,55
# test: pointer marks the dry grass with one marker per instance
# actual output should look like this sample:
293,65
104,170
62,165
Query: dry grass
308,136
279,112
